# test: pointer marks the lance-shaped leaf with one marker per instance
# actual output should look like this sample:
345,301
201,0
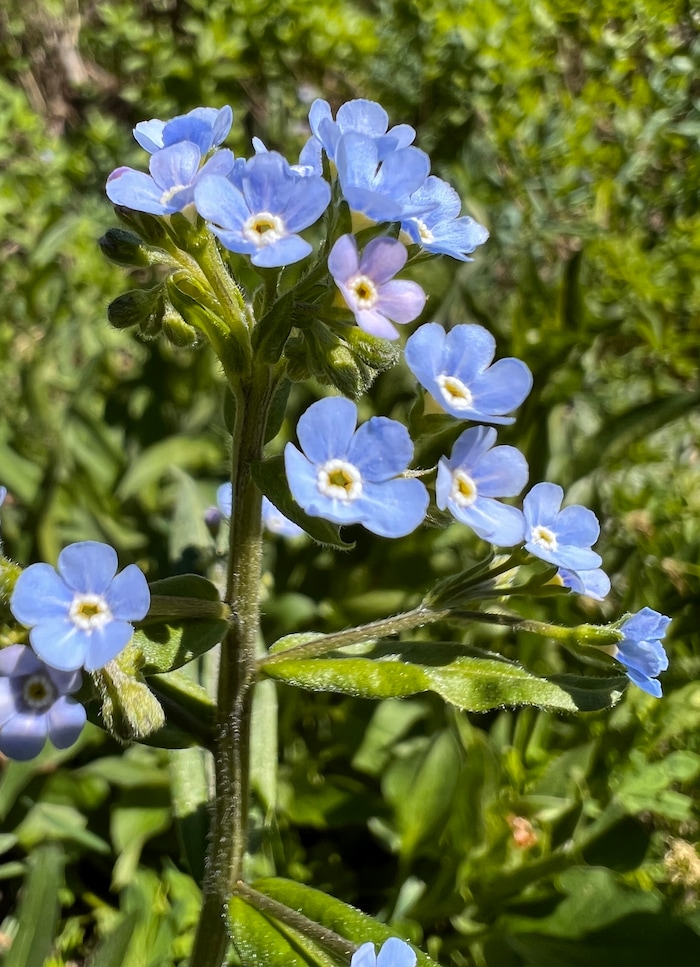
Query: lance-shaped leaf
261,940
467,678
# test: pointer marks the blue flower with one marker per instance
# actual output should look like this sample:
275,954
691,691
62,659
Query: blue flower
377,185
80,614
359,117
349,476
393,953
275,522
477,473
175,173
368,285
3,494
455,369
594,583
262,208
561,537
641,651
34,704
204,126
432,220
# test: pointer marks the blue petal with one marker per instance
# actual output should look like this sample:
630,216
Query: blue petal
268,183
542,503
40,594
24,736
363,116
286,251
402,172
88,566
646,625
364,956
302,477
60,644
194,130
307,202
423,354
149,135
326,429
382,259
502,472
393,508
396,953
218,201
105,644
468,350
16,660
66,719
471,446
224,498
577,525
503,387
649,685
8,701
356,161
135,190
175,166
128,595
499,524
380,449
343,261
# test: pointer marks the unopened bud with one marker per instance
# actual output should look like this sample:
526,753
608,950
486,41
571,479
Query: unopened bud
176,329
137,307
126,248
130,710
378,353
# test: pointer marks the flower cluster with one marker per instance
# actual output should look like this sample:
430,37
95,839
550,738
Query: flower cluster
79,615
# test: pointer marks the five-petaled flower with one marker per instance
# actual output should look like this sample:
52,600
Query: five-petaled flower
80,613
204,126
641,651
353,476
393,953
432,220
562,537
455,367
261,209
368,285
359,116
474,476
35,704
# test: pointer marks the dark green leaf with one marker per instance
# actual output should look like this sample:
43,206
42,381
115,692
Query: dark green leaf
38,910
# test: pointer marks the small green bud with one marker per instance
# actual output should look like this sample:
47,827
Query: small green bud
380,354
126,248
130,710
9,572
175,329
349,375
137,307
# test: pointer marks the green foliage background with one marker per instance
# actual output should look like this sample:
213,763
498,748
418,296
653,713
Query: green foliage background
572,132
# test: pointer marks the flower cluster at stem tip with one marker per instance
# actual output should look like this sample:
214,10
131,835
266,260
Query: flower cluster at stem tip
79,615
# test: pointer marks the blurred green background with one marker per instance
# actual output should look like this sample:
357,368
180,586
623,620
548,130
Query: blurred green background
511,839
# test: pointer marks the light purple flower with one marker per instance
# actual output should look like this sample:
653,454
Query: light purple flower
175,174
475,475
594,583
368,285
34,704
379,186
432,220
80,613
353,477
393,953
456,369
561,537
359,117
262,208
204,126
641,651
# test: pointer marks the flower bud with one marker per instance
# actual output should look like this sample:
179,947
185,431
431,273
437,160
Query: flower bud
130,710
380,354
176,329
138,307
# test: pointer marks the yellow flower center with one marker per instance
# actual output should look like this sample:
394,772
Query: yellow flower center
364,290
264,229
340,480
454,392
464,491
544,538
89,612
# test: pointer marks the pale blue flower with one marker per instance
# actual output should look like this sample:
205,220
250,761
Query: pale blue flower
275,521
368,285
206,127
456,369
80,613
475,475
175,174
261,209
594,583
641,651
379,186
561,537
3,494
393,953
34,704
432,220
359,117
352,476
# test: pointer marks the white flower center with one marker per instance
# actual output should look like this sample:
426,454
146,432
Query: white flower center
544,538
426,236
455,392
463,491
364,290
38,692
264,229
89,612
171,192
339,479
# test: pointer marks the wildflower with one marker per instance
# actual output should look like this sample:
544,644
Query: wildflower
393,953
34,704
432,220
80,614
641,651
594,583
350,476
175,173
477,473
360,117
378,185
262,212
455,367
275,521
3,494
561,537
205,127
368,285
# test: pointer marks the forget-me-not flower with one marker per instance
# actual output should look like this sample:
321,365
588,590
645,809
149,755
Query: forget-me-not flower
273,519
456,369
594,583
432,220
204,126
359,116
260,211
378,186
641,651
352,476
393,953
561,537
170,187
368,285
80,613
35,704
475,475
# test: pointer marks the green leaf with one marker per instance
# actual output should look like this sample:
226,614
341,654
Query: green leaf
469,679
174,451
112,949
341,918
38,910
258,941
270,476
